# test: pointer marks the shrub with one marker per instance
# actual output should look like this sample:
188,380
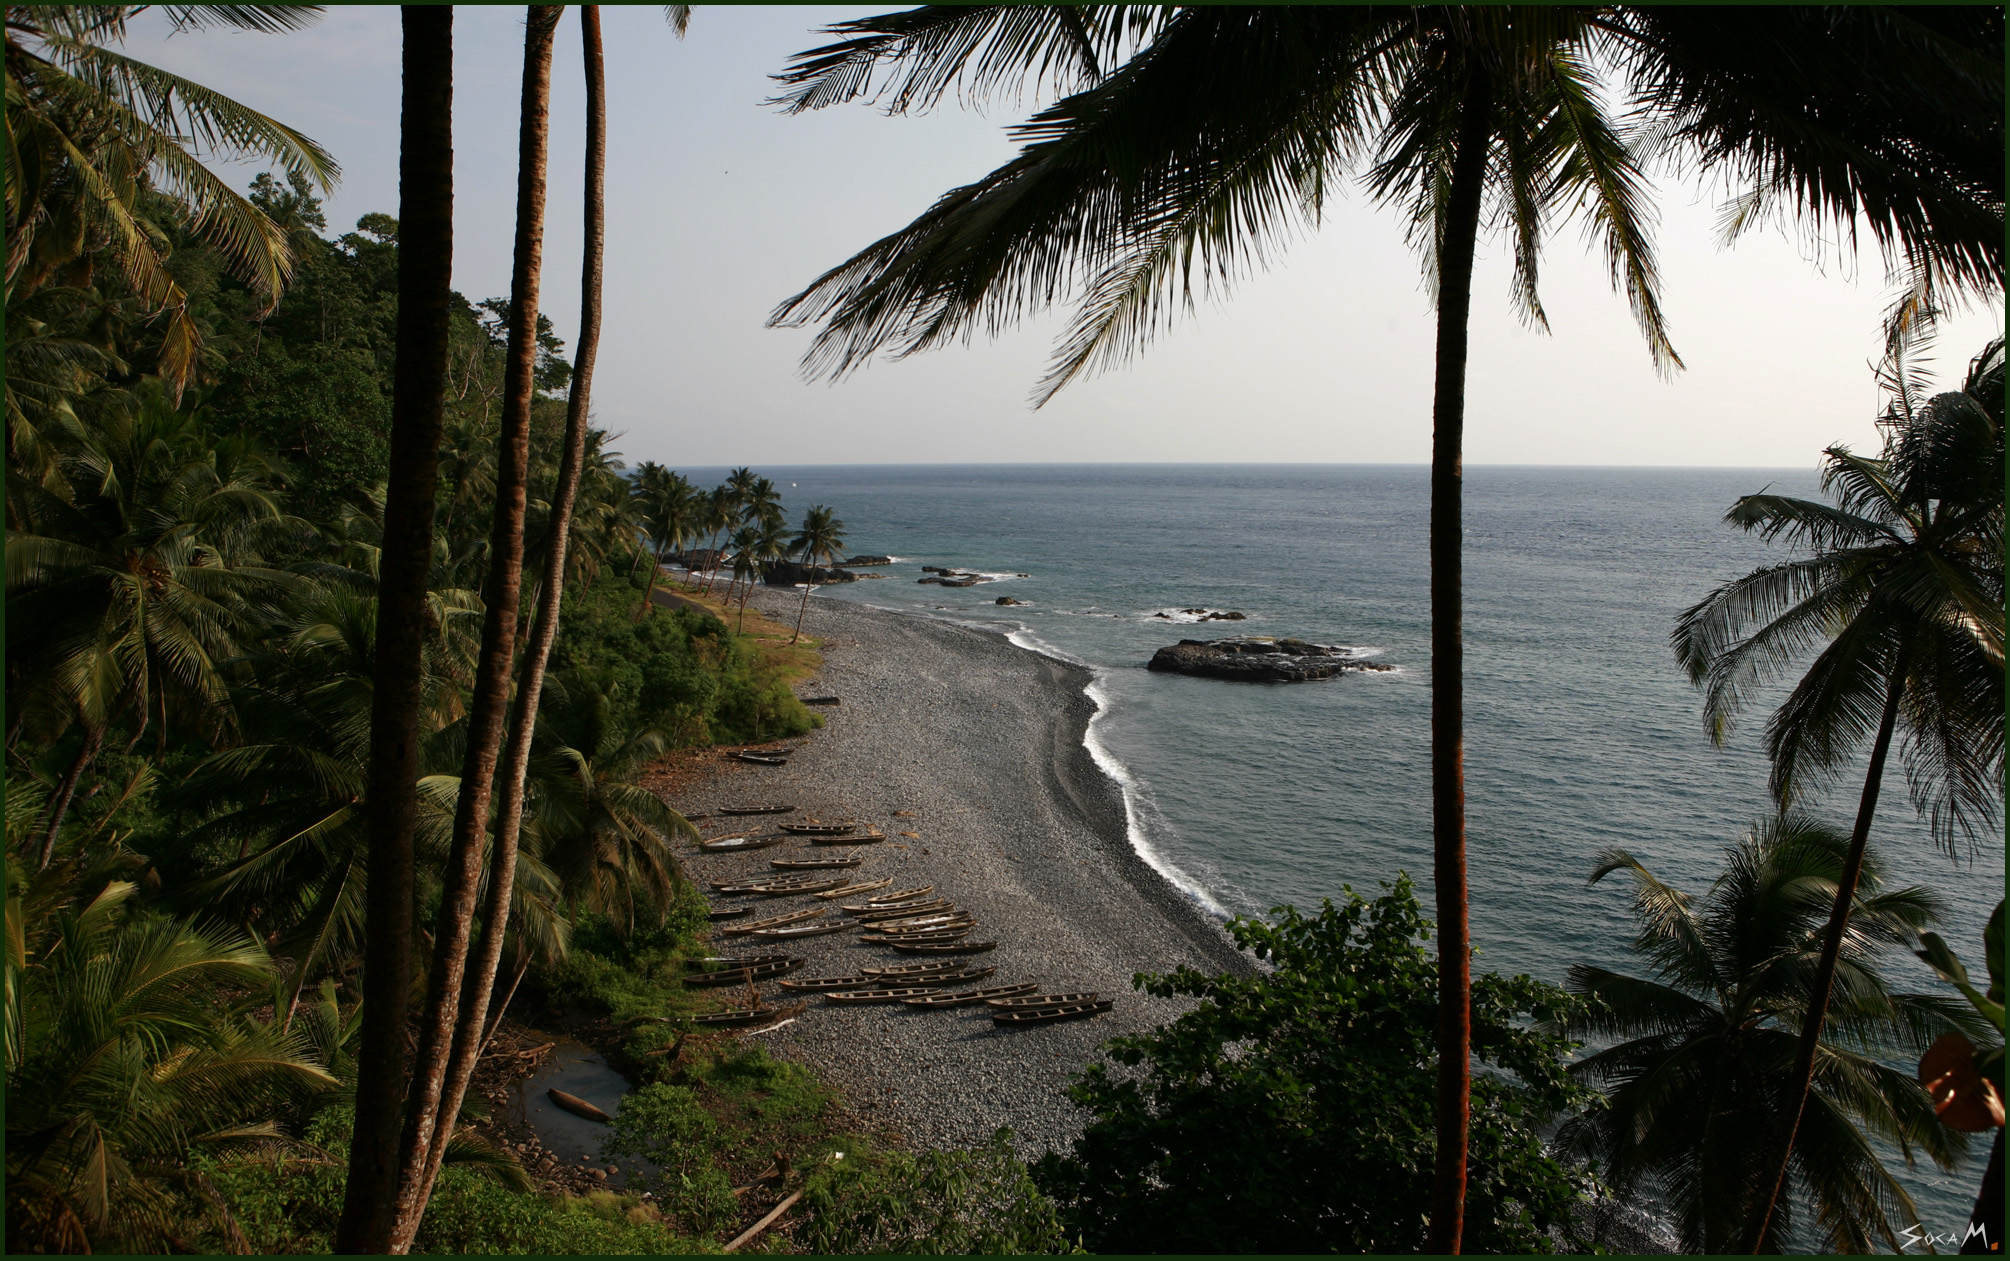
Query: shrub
666,1127
1293,1111
938,1203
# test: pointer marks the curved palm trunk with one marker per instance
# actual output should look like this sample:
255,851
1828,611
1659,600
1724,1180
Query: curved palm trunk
1448,681
473,1028
488,704
94,738
655,563
807,584
418,394
1825,971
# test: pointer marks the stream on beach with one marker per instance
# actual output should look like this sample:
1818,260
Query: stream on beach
1582,732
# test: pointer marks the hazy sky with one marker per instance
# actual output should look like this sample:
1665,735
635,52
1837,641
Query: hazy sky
719,207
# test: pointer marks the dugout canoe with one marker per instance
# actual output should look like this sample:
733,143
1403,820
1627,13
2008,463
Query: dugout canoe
759,759
887,901
755,809
943,947
911,910
878,996
871,837
773,921
961,997
578,1107
905,971
1047,1015
1047,1000
800,930
818,829
851,891
750,1015
806,864
738,844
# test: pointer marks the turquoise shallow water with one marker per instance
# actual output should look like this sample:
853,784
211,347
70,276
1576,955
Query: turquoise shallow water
1582,732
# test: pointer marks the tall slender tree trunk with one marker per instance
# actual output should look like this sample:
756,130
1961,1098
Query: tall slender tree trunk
1825,970
807,584
94,738
418,393
1448,679
488,705
471,1033
649,592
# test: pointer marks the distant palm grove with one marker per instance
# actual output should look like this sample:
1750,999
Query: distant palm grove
342,648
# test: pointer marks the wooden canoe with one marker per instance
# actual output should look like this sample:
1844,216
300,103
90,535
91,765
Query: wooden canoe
741,975
910,910
733,913
1047,1000
943,947
922,923
902,971
818,829
735,961
751,1015
760,759
873,837
738,844
947,934
800,930
757,885
801,884
794,864
901,895
961,997
1045,1015
853,890
755,809
773,921
878,996
820,700
818,984
578,1107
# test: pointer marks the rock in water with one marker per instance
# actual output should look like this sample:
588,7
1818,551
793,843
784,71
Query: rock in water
1006,599
1258,659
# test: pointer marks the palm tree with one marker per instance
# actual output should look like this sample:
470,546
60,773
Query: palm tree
745,564
488,704
715,515
418,400
128,1056
820,537
1193,157
93,134
470,1033
1905,584
131,592
1702,1057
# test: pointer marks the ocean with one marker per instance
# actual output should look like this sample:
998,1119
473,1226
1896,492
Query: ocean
1582,732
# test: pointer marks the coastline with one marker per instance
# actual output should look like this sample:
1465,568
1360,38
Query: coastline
983,740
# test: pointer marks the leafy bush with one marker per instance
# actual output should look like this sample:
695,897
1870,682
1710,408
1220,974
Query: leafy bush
763,1101
938,1203
669,1129
1293,1111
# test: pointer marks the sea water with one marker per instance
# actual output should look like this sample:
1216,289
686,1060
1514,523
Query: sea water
1582,732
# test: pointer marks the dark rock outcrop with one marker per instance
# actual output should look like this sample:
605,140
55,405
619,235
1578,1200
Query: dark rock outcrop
950,577
1006,599
1258,659
866,560
787,573
1208,615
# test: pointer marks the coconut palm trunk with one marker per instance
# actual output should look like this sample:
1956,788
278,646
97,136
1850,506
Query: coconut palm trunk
66,791
809,562
471,1031
1448,741
655,571
418,394
488,704
1832,939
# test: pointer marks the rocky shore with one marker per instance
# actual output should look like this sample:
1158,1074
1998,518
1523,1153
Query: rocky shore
966,750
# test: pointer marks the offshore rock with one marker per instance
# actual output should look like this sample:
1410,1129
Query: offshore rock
1258,659
787,573
866,560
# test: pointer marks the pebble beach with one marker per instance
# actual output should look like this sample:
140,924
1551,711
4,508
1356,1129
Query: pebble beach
974,746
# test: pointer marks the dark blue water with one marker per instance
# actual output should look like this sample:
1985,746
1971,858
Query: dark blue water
1582,733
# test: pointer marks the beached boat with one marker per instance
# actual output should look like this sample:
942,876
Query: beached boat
751,1015
1047,1000
1046,1015
820,700
732,913
814,828
885,900
755,809
773,921
741,971
903,971
735,961
941,934
871,837
745,885
943,947
800,930
760,759
738,844
853,890
879,996
937,919
784,888
818,984
908,911
961,997
578,1107
798,864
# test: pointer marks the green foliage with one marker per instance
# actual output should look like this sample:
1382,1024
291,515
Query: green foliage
1293,1111
762,1101
669,1129
938,1203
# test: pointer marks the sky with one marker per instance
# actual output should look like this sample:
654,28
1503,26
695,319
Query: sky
719,207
